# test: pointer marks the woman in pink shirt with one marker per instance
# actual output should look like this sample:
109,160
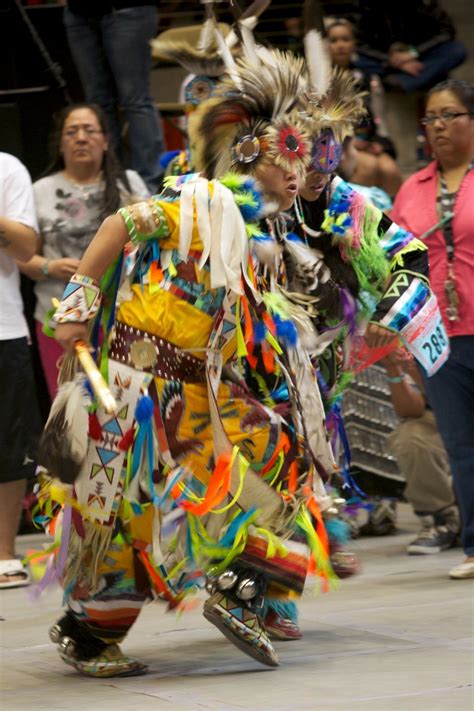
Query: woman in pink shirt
437,204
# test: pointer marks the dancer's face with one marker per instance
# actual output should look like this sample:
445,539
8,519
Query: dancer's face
278,184
314,185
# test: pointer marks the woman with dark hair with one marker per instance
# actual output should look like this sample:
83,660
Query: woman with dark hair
436,203
84,183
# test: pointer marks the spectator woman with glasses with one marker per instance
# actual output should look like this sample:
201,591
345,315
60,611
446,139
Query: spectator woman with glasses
83,185
436,204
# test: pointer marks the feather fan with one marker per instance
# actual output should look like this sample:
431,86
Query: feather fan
64,442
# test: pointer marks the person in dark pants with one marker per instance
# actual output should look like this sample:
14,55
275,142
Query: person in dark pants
436,203
409,43
110,45
19,419
418,448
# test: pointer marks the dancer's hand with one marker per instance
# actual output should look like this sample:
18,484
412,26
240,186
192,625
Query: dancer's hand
379,336
68,333
413,67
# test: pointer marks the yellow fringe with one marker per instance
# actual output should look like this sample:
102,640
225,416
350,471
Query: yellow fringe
414,246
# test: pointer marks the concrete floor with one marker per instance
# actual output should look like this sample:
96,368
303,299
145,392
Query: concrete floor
397,636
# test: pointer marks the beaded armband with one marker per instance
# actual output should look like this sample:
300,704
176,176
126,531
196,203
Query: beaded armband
145,220
80,301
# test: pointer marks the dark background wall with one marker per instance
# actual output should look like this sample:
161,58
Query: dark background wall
29,91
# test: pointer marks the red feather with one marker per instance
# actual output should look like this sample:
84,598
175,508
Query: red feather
95,428
127,440
230,114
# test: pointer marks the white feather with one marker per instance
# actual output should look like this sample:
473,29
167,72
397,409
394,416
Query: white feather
248,21
249,46
266,56
317,61
228,59
73,401
266,251
206,37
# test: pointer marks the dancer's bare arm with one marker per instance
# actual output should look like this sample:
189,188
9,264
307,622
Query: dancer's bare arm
104,248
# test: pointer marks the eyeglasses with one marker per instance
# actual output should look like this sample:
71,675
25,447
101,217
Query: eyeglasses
74,131
445,117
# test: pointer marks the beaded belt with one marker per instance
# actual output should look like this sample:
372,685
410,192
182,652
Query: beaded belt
153,354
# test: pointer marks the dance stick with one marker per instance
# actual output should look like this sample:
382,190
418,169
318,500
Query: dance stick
96,380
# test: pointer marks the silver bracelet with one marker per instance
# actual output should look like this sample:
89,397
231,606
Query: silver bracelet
45,268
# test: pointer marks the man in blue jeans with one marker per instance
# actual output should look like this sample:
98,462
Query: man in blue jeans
110,45
451,394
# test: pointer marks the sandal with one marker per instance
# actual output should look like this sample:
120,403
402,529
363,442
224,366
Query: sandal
13,569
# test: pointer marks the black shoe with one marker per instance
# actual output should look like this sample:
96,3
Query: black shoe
432,540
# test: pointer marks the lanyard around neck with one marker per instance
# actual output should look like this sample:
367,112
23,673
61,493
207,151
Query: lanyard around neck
448,201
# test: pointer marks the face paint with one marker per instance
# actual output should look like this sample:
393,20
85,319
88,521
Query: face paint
326,153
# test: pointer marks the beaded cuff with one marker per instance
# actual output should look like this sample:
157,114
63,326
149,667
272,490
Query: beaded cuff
80,301
145,220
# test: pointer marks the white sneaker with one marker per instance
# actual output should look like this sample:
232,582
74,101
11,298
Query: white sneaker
462,571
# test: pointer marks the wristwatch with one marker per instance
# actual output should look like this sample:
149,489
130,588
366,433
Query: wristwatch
45,268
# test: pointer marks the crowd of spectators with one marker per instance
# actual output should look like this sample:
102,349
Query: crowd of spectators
45,228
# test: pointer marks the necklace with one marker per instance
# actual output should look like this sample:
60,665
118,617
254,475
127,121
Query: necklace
86,189
299,216
447,205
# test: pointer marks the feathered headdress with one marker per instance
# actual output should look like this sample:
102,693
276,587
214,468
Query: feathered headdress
335,104
257,112
207,60
341,107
